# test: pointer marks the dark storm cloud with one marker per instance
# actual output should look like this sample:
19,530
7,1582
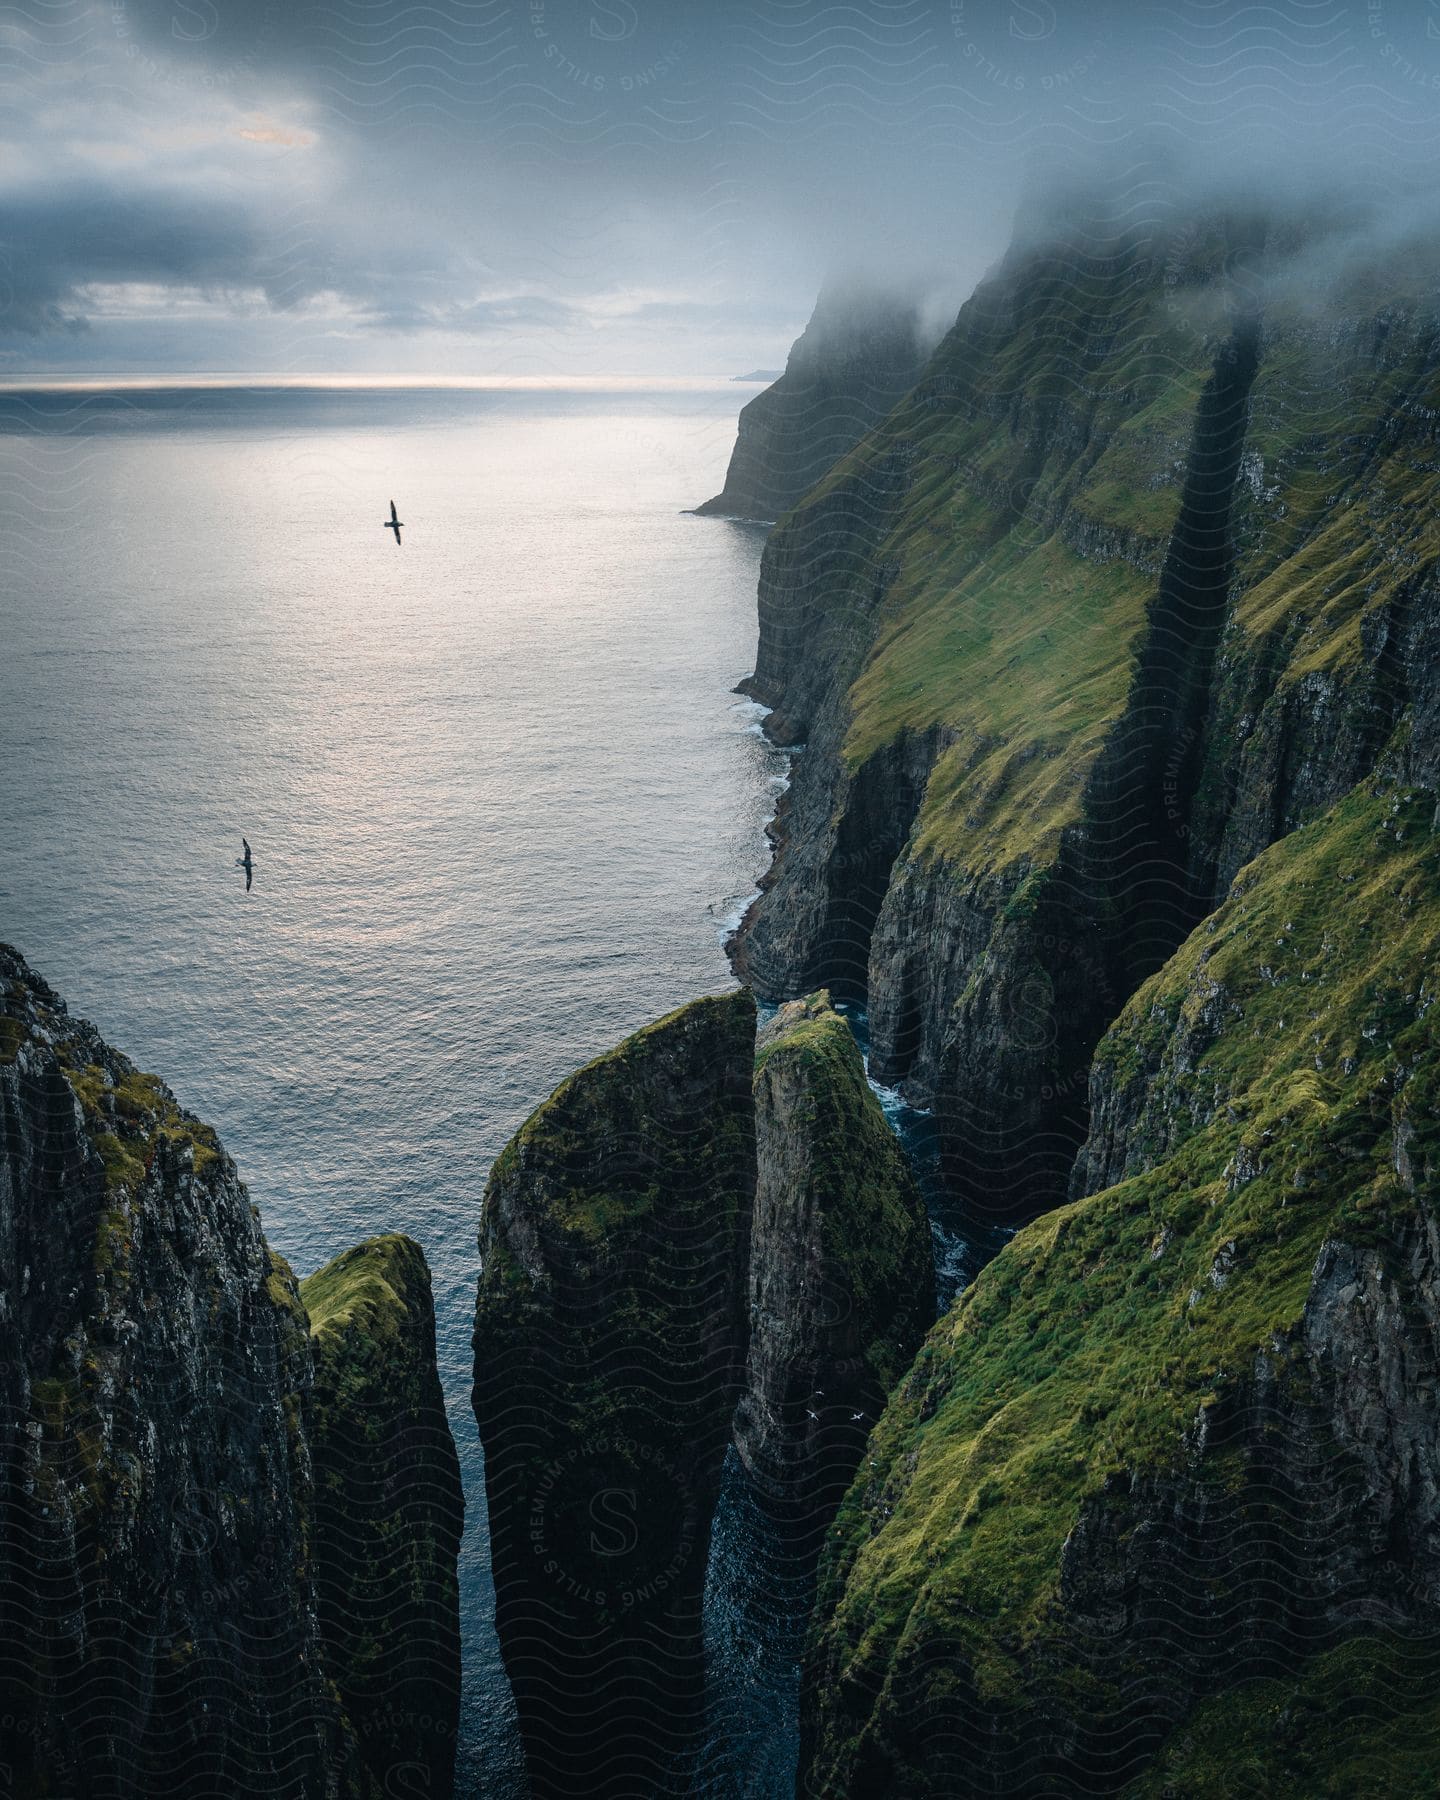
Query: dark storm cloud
55,244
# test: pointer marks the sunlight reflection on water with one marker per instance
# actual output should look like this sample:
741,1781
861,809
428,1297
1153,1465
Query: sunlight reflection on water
500,795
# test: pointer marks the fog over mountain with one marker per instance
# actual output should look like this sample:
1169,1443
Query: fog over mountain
566,187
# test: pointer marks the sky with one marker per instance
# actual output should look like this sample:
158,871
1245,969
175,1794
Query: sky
581,188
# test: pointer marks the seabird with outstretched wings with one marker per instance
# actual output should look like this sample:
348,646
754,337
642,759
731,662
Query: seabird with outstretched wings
394,522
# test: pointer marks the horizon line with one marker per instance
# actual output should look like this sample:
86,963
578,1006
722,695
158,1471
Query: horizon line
21,383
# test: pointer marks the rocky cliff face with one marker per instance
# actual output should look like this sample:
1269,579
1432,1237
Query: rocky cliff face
944,623
227,1546
1080,628
610,1347
1174,1454
157,1603
842,1286
1332,635
388,1512
860,352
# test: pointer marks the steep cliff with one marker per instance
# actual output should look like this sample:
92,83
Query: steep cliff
1134,580
946,621
859,353
387,1513
842,1284
1333,634
610,1344
158,1623
1174,1455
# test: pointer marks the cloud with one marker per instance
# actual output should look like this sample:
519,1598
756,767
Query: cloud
267,131
53,245
673,184
495,314
120,188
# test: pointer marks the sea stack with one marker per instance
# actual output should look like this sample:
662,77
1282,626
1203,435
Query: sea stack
842,1281
388,1511
610,1344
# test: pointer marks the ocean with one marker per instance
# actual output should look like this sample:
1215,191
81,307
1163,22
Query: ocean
503,804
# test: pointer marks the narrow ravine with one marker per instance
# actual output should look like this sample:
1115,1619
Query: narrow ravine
761,1575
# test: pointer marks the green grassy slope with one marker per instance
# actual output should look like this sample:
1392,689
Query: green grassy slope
1274,1059
1361,1719
1043,448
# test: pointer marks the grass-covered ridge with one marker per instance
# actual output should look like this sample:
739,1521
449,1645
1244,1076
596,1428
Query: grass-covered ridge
367,1288
388,1507
1272,1061
1137,579
1043,453
605,1095
1028,660
1361,1719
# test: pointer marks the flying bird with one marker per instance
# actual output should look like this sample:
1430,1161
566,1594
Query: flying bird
246,864
393,523
812,1415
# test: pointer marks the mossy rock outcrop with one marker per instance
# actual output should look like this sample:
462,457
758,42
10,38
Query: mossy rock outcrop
388,1511
610,1347
158,1623
1175,1452
842,1283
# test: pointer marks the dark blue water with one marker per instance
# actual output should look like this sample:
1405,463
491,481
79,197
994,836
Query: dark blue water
502,800
962,1243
